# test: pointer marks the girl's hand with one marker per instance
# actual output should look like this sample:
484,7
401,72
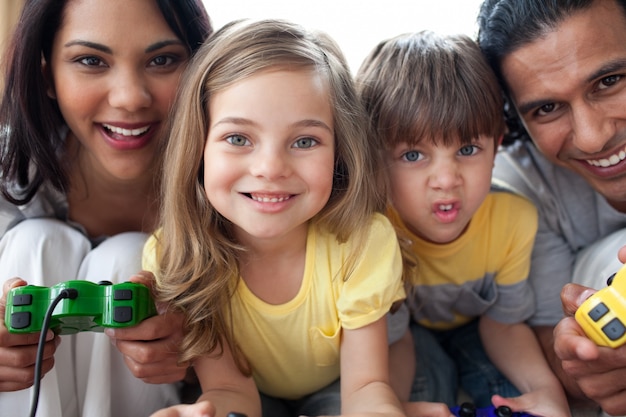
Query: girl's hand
426,409
199,409
536,403
151,348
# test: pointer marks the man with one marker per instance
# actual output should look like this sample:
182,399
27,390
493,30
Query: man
563,67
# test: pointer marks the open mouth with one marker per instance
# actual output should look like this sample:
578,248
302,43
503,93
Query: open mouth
610,161
126,132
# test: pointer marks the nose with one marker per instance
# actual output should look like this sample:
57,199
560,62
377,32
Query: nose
270,163
591,128
444,175
129,91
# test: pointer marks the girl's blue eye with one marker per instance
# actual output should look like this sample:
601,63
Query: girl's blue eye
237,140
305,143
411,156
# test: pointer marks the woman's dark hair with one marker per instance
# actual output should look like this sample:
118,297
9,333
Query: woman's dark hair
30,122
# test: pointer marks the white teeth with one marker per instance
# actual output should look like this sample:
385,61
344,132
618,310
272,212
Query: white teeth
607,162
269,199
445,207
127,132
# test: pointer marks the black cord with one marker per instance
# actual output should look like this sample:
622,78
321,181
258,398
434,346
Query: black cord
70,293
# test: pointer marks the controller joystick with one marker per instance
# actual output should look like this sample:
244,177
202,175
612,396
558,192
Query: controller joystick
95,307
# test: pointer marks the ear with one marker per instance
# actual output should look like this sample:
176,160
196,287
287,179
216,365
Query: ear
499,141
47,76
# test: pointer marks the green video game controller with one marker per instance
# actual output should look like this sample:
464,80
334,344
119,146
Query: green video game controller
95,307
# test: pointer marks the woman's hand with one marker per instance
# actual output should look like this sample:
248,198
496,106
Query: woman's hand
18,352
151,348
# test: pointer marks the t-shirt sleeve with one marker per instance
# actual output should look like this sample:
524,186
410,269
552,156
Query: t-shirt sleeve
375,281
516,300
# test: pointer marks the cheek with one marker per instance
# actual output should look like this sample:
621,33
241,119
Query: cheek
406,191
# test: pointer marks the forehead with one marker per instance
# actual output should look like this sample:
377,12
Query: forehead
113,19
578,50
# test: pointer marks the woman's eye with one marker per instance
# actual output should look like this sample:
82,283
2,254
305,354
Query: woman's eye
411,156
305,143
162,61
91,61
237,140
468,150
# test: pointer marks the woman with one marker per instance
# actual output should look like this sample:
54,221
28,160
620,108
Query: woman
89,83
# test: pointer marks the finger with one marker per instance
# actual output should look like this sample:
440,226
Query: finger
621,254
572,296
571,343
168,325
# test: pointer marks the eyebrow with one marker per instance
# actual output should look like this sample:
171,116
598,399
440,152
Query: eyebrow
103,48
248,122
603,71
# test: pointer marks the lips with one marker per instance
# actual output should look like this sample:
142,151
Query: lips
264,198
612,160
126,132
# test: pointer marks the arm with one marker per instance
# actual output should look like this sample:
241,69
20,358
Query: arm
224,390
365,388
151,348
19,351
514,349
402,366
599,373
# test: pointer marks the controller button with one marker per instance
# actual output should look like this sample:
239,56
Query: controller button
20,320
467,410
598,311
119,295
503,411
22,299
122,314
105,283
614,329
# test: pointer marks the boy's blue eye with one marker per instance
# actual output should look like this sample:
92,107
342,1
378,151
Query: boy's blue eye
467,150
411,156
237,140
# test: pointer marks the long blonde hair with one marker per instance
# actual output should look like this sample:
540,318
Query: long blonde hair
197,251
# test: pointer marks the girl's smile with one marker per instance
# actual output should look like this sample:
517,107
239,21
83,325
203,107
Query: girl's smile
269,154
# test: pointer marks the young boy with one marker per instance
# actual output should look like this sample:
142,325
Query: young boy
436,109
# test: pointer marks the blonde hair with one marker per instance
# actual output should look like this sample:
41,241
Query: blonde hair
198,253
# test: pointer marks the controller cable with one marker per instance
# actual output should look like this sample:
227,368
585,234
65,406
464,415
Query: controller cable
70,293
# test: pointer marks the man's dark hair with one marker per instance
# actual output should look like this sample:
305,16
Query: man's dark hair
506,25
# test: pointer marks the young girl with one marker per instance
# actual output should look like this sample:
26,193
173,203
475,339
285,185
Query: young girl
271,242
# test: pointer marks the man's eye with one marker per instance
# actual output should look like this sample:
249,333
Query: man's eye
546,109
411,156
237,140
305,143
609,81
